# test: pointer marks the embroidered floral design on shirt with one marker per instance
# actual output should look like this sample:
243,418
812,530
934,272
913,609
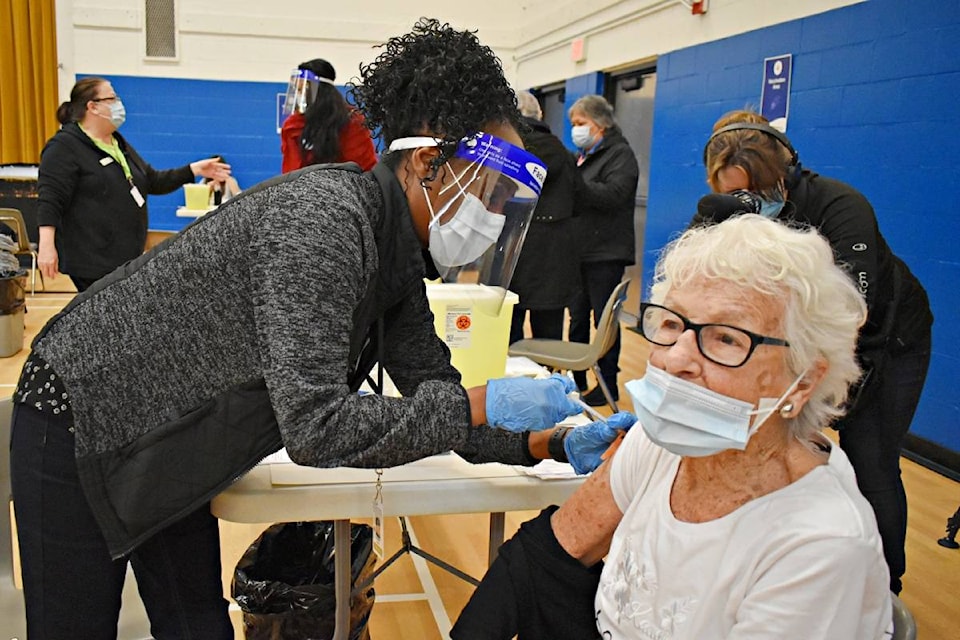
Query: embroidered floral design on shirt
675,614
633,587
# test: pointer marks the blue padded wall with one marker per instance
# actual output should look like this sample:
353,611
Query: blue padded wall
873,103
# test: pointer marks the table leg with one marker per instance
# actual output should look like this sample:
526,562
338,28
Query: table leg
497,521
341,566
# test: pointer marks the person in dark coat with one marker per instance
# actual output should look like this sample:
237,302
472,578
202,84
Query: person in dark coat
745,154
93,185
546,277
604,228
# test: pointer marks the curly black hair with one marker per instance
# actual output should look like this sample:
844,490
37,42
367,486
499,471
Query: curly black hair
434,80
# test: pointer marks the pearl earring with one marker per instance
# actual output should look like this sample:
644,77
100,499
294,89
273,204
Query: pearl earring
786,409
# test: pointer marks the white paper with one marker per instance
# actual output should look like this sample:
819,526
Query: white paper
280,457
522,366
550,470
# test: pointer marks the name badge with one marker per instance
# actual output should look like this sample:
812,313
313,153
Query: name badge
105,161
378,527
135,193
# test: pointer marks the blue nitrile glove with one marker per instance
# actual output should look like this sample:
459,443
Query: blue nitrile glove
525,404
584,445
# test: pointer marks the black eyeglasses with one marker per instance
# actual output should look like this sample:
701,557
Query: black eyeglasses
720,343
106,99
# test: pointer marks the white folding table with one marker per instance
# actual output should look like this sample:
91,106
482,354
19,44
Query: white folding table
443,484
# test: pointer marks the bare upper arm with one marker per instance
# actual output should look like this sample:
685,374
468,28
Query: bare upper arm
584,525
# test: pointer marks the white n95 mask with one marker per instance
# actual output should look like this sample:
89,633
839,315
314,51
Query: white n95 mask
466,236
689,420
581,137
480,213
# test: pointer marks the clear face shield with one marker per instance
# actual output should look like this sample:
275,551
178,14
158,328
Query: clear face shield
301,91
486,194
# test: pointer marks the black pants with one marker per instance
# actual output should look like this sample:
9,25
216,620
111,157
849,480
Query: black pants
872,437
82,284
544,323
534,590
599,279
71,586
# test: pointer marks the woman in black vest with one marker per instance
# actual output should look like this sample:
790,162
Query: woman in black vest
253,329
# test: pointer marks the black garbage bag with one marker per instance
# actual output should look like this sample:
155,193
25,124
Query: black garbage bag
284,583
13,290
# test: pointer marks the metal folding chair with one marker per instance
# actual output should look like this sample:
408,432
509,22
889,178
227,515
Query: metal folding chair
14,219
577,356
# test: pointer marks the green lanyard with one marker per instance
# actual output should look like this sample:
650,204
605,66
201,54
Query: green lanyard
112,150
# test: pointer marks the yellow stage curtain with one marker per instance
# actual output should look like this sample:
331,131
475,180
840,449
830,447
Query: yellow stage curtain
28,78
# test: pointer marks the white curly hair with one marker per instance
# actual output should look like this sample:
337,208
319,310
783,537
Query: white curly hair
823,310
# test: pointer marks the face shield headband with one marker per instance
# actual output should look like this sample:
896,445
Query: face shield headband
480,222
302,90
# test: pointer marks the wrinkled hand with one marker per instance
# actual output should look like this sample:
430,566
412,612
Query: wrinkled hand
525,404
585,445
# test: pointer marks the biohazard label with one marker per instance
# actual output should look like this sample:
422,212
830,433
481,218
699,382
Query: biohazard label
458,327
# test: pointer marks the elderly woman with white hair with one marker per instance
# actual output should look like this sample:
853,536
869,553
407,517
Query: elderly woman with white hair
725,513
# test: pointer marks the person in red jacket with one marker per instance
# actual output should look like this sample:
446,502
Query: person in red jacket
322,126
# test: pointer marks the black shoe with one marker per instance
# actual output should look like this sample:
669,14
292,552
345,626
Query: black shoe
595,398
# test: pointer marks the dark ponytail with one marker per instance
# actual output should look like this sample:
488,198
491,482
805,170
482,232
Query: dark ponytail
83,92
326,116
323,120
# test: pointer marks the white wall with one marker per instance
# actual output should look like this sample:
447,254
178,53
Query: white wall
261,41
256,40
623,33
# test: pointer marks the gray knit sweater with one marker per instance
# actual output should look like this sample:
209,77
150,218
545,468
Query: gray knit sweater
265,287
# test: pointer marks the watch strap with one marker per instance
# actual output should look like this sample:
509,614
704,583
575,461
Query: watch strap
555,444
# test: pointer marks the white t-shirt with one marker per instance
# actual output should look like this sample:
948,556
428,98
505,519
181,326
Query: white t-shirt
802,562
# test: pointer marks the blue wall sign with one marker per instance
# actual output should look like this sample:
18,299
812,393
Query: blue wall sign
775,95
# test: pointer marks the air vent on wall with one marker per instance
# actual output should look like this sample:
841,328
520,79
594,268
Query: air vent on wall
160,28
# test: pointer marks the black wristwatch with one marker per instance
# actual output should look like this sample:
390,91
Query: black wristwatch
555,444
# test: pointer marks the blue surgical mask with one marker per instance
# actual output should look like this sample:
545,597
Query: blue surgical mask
581,136
118,113
770,208
690,420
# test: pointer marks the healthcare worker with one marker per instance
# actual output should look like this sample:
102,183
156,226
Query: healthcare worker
319,124
254,328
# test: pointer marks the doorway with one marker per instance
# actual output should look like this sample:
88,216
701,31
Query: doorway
632,93
554,111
